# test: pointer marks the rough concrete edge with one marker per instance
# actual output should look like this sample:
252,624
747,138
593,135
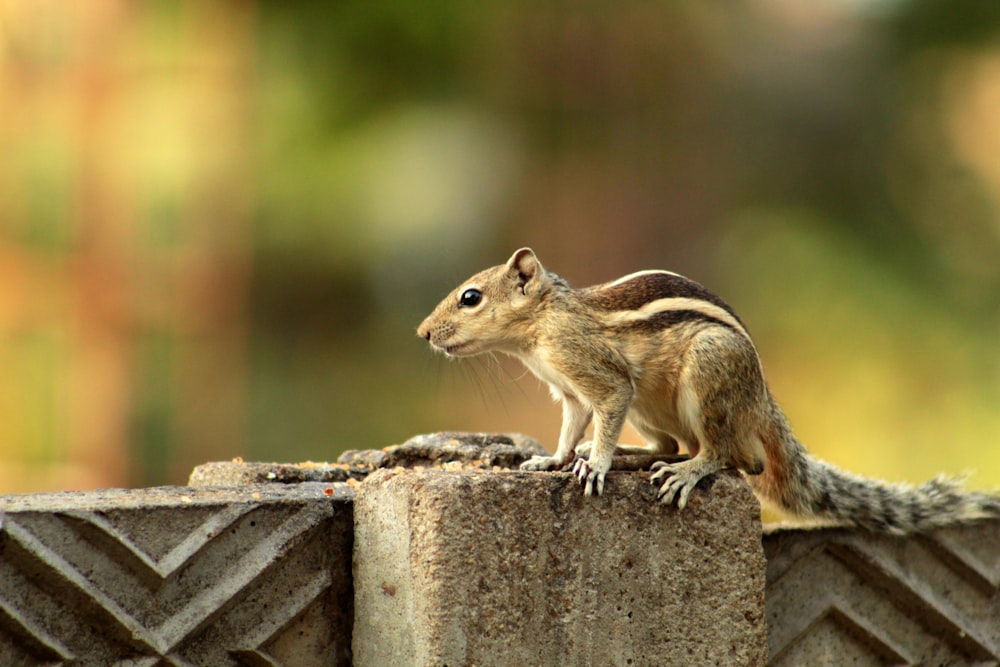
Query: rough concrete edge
173,496
487,451
239,473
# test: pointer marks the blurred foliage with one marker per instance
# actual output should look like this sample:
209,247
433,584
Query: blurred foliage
221,222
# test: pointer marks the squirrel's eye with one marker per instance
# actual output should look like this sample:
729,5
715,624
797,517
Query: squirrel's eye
470,297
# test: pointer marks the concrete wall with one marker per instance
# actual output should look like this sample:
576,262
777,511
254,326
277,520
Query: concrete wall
459,561
259,575
868,600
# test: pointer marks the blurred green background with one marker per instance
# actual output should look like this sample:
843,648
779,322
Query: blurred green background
220,222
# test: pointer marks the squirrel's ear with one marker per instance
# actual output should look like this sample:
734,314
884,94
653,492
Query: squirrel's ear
525,263
527,267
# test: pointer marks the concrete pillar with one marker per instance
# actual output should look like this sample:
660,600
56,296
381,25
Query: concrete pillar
467,567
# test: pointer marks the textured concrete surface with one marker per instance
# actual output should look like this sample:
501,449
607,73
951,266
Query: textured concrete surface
461,562
841,597
242,473
177,576
473,450
486,451
507,568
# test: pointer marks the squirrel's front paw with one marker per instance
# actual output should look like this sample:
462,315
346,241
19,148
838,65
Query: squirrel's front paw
591,478
541,463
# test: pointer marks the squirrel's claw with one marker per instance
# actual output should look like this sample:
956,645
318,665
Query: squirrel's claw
591,479
683,478
672,487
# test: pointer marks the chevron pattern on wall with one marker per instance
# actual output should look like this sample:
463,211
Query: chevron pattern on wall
178,577
840,597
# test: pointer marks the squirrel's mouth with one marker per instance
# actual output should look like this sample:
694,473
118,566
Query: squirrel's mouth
458,349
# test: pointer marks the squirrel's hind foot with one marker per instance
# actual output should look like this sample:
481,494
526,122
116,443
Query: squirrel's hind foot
681,478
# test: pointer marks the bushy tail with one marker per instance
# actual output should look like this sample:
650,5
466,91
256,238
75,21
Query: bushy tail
807,487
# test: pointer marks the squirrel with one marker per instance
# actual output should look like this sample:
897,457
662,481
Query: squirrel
672,358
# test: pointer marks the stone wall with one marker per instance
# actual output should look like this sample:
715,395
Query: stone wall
444,555
259,575
878,599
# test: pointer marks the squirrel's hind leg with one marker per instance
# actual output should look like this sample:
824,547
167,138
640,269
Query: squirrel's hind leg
720,398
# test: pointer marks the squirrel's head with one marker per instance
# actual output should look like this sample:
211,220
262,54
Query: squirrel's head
491,311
